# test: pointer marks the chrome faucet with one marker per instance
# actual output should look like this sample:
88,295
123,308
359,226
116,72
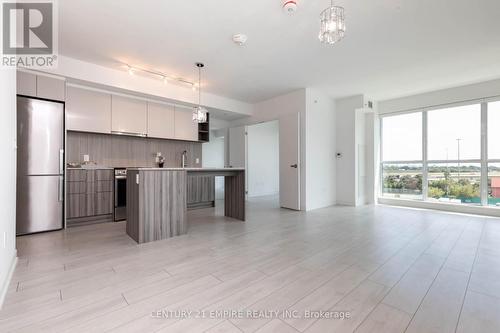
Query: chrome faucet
184,159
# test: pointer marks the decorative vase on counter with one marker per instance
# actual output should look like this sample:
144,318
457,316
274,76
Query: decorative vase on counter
160,160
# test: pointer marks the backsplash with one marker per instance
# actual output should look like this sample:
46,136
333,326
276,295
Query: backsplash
127,151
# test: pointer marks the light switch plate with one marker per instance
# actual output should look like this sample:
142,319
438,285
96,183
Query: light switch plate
86,158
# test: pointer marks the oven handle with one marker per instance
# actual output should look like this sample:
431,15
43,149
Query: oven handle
116,193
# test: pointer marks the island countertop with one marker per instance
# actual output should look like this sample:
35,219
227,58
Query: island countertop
187,169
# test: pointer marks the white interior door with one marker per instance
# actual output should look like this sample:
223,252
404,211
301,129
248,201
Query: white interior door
237,147
290,161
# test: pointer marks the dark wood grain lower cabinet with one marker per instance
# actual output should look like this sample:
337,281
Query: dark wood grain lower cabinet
75,204
89,196
200,191
104,203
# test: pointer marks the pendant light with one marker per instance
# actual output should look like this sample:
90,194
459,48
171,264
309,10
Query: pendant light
199,112
332,24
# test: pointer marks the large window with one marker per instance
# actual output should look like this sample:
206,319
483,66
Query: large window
402,181
402,137
447,155
494,154
454,133
494,130
494,184
455,183
402,154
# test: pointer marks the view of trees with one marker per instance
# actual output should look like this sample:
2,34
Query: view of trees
462,189
451,182
403,182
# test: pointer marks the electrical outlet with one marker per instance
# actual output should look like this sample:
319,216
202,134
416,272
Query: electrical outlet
197,161
86,158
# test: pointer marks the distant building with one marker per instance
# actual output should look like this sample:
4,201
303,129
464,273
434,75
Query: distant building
495,187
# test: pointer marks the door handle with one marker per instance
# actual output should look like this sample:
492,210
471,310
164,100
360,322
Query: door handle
61,189
294,166
61,161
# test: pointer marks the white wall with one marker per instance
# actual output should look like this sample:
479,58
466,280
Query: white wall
216,123
441,97
263,159
213,157
320,150
272,109
372,156
8,180
346,177
360,157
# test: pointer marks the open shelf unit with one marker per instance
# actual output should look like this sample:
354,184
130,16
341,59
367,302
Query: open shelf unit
204,130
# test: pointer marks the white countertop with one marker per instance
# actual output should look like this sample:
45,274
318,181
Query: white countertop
187,169
96,167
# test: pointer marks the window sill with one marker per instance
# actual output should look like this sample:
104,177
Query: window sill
448,207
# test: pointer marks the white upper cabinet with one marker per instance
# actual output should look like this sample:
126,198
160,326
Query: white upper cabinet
161,121
129,115
185,127
88,110
29,84
26,84
50,88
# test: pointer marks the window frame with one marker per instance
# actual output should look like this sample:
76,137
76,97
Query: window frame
483,161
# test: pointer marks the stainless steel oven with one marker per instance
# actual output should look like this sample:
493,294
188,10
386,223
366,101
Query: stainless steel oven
120,194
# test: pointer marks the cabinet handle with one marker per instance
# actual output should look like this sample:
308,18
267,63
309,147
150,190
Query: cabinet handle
61,161
61,189
143,135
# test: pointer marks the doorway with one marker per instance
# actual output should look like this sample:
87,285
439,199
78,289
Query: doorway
270,153
263,168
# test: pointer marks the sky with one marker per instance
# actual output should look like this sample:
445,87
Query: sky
402,134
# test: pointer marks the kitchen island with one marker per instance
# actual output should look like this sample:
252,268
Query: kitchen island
157,199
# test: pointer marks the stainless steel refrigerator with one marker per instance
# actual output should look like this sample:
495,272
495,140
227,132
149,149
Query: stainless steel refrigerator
40,165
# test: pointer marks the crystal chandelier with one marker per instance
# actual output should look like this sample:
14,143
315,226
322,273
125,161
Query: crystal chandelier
199,112
332,24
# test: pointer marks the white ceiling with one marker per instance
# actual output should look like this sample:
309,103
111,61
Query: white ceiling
392,48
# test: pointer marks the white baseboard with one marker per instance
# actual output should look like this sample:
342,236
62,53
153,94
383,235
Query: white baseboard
5,287
447,207
263,194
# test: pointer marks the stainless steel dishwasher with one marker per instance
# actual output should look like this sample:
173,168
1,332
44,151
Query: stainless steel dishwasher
120,211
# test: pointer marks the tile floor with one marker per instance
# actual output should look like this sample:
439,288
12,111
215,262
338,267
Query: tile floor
373,269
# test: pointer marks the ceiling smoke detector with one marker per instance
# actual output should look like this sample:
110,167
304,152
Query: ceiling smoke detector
240,39
290,6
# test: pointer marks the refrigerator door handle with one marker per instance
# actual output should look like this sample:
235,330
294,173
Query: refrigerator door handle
61,161
61,189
